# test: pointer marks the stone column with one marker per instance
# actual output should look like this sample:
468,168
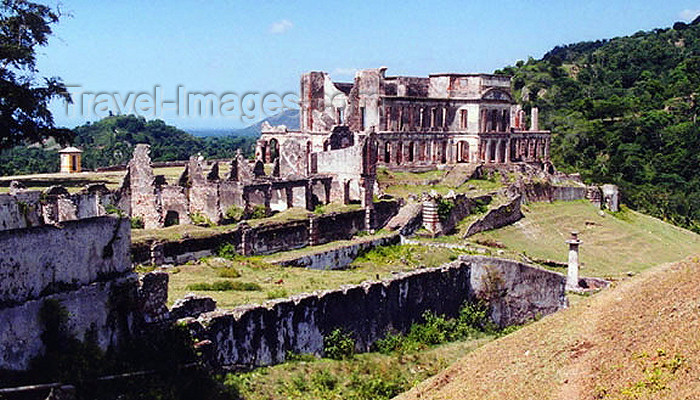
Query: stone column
535,119
288,192
431,220
487,153
507,160
308,196
572,271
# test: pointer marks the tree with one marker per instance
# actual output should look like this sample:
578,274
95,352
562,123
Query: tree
24,97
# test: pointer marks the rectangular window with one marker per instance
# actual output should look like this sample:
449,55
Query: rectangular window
463,119
339,115
362,118
387,119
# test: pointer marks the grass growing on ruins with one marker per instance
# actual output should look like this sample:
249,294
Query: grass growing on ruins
401,361
76,182
275,280
403,184
72,182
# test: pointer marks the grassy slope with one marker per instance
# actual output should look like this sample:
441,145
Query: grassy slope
612,245
639,340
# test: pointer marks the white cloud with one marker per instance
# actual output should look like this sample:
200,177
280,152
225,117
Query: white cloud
689,15
281,27
345,71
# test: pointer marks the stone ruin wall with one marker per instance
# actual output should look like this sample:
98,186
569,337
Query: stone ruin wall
264,239
84,265
258,335
27,208
498,217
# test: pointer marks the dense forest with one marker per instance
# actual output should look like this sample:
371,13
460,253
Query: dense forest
625,111
110,141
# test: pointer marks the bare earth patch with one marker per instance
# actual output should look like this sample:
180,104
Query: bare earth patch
638,340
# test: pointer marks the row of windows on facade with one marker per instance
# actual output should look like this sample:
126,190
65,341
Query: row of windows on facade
427,117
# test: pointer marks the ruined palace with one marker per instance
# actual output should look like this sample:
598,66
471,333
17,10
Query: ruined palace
419,122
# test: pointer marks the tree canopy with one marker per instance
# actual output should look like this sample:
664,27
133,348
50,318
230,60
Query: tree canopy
24,114
625,111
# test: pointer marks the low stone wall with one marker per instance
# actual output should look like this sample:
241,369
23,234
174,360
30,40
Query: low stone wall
84,266
497,217
264,239
340,257
338,226
546,192
463,207
258,335
268,239
384,210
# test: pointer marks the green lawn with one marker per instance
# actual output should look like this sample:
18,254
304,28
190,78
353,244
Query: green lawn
278,281
613,244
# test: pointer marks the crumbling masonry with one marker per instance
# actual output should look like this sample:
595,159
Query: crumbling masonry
419,122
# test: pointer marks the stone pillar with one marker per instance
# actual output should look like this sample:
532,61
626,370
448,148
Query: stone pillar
327,191
535,116
289,193
313,232
572,271
488,151
309,196
431,219
499,149
507,160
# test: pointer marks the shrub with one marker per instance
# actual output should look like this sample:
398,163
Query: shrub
473,319
137,223
227,251
201,220
228,272
444,209
338,345
224,286
234,213
277,293
259,211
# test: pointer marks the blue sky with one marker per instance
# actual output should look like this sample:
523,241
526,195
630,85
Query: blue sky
131,46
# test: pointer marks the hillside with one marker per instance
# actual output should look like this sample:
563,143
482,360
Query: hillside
110,141
639,340
614,244
625,111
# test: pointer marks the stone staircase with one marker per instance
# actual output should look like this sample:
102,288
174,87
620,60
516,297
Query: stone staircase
459,174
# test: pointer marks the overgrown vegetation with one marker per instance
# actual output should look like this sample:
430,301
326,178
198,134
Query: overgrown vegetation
223,286
625,111
338,345
401,362
472,322
444,208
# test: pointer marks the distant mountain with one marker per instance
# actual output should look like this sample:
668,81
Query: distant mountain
213,132
290,118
